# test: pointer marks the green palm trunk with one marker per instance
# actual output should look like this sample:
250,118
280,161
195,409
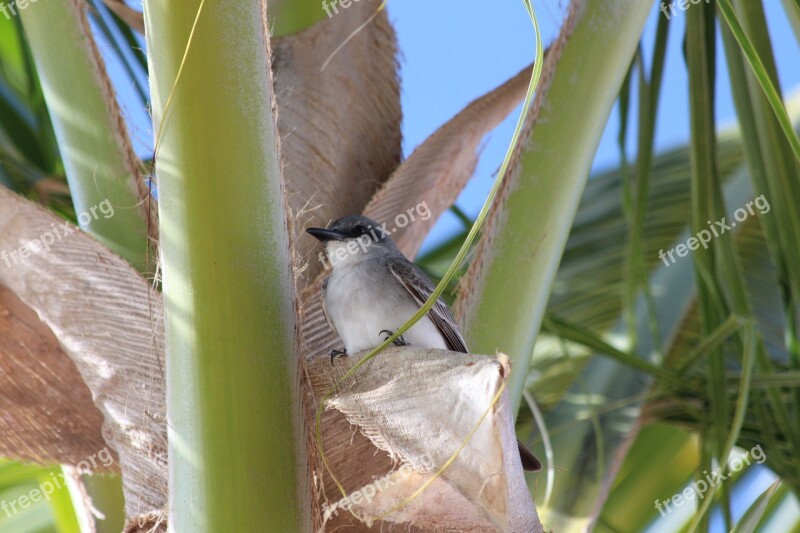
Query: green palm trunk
230,319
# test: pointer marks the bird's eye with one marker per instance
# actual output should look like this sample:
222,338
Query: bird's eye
360,230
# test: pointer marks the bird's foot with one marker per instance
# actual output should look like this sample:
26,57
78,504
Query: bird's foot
336,353
399,341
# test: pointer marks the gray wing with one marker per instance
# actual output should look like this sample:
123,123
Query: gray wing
324,293
420,287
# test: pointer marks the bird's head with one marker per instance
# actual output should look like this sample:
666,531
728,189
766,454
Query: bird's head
352,238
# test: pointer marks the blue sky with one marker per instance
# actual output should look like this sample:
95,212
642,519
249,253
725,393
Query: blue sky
451,55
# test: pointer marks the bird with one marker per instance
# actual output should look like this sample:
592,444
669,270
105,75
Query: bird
373,289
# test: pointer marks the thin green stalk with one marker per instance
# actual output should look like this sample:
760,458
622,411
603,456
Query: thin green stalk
720,277
776,143
711,342
576,334
756,512
64,505
622,136
512,278
792,9
705,200
748,358
761,74
649,92
789,378
774,174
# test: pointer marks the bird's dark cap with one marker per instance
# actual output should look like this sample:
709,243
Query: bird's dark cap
351,227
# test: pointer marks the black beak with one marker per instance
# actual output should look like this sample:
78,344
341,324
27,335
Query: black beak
326,235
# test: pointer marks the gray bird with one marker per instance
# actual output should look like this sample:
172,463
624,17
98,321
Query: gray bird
373,289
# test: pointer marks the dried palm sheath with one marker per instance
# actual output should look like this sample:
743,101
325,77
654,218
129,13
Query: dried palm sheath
109,323
420,406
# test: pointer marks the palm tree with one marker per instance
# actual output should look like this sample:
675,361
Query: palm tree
208,388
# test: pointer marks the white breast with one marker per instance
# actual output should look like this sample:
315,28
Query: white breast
363,299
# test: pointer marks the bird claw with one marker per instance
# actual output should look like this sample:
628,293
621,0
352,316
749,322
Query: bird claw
336,353
399,341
